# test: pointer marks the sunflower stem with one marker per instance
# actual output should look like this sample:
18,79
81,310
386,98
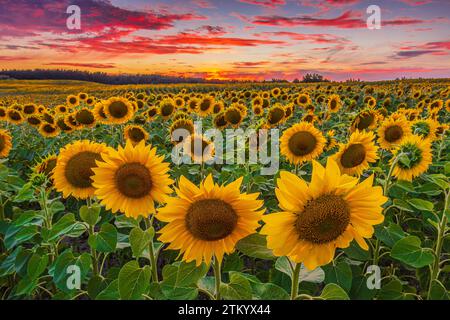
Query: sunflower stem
439,243
93,254
295,281
218,277
151,251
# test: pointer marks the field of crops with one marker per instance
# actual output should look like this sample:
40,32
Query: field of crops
94,203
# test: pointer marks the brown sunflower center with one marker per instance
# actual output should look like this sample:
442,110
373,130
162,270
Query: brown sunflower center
28,109
233,116
136,134
133,180
15,115
73,100
167,109
302,143
33,121
78,169
118,109
2,143
85,117
276,115
303,99
353,156
333,104
211,219
323,219
205,105
393,133
48,128
365,121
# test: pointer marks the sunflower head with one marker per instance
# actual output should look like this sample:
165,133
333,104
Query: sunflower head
166,108
5,143
234,116
118,110
73,172
220,121
48,130
302,142
355,156
135,134
185,128
131,179
334,103
212,220
199,148
328,213
85,117
413,156
72,100
276,114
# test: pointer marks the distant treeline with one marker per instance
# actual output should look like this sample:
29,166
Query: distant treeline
100,77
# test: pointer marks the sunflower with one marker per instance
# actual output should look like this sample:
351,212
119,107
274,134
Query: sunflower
328,213
90,101
275,92
220,122
302,142
370,101
199,148
34,121
415,159
166,108
218,107
205,106
72,100
447,105
29,109
207,221
61,109
331,140
5,143
233,116
258,110
151,113
99,113
118,110
46,166
2,113
180,115
73,171
85,117
355,156
131,179
82,96
14,116
135,134
303,100
425,128
181,124
310,117
365,120
392,131
48,130
192,104
70,121
179,102
275,115
334,103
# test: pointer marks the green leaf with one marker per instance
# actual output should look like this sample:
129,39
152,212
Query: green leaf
181,274
403,205
360,291
390,234
269,291
90,215
315,276
18,235
409,251
139,241
133,281
111,292
237,289
392,291
105,240
37,265
66,226
340,274
421,205
96,285
66,259
255,246
178,293
438,291
333,292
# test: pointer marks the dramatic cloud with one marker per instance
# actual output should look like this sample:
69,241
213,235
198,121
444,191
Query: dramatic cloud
83,65
265,3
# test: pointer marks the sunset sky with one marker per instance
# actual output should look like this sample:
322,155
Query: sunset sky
230,39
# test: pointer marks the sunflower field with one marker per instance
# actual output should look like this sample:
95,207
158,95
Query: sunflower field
93,207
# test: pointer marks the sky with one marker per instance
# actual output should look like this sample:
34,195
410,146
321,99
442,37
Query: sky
230,39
